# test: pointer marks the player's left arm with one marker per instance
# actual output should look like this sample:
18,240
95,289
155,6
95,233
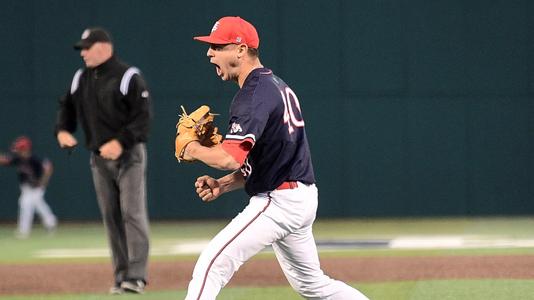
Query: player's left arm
48,169
215,156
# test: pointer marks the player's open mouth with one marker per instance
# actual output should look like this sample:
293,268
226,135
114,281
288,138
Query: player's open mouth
218,69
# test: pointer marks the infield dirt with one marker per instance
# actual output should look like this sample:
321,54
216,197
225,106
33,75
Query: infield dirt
20,279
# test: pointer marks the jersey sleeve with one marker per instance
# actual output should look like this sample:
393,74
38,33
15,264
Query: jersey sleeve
45,162
247,122
237,149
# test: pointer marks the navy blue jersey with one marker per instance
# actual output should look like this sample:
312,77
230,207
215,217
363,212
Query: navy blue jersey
266,113
29,170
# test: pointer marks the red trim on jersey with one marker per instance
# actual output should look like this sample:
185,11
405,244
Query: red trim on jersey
238,149
288,185
228,243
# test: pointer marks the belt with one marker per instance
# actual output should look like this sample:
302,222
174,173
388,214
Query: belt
288,185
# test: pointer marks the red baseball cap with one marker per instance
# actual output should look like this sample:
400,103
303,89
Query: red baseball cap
232,30
22,143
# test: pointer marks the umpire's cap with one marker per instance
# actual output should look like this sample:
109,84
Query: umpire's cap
232,30
91,36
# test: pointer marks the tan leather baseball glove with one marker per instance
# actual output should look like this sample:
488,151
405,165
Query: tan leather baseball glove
197,126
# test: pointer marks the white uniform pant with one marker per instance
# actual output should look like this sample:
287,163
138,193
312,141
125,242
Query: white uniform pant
283,219
32,201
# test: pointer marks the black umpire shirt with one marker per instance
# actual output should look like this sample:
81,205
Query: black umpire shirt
110,101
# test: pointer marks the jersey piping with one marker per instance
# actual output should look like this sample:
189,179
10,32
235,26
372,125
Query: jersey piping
241,137
228,243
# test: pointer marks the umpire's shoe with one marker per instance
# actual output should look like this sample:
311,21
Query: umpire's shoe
136,286
116,289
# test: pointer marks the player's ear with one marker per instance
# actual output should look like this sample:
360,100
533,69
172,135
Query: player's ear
241,50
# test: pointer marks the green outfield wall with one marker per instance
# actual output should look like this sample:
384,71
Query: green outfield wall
413,108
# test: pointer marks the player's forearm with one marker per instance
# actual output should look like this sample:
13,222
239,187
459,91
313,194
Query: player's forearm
44,180
214,157
231,182
48,170
4,159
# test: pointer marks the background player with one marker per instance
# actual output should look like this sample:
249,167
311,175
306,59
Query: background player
267,148
34,174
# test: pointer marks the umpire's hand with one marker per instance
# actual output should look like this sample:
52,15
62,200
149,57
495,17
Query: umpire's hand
111,150
66,140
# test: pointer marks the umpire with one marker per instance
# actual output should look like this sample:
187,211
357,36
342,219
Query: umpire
111,102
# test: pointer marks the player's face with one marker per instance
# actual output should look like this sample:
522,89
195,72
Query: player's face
23,153
225,59
96,54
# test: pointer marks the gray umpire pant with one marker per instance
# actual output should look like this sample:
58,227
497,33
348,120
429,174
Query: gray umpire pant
121,192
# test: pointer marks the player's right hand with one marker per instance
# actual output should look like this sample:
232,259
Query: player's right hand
66,140
4,159
207,188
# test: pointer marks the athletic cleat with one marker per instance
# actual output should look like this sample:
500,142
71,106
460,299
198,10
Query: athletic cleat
134,286
21,236
51,231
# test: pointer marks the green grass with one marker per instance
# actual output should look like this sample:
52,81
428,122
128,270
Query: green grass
404,290
92,235
451,290
387,228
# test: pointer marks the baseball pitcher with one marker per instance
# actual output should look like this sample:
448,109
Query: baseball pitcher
267,152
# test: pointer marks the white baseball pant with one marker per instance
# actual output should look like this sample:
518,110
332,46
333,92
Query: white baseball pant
31,200
283,219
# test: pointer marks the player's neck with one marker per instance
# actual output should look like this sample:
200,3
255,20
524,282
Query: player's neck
245,71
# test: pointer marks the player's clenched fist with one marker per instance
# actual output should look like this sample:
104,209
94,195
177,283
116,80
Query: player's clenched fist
207,188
